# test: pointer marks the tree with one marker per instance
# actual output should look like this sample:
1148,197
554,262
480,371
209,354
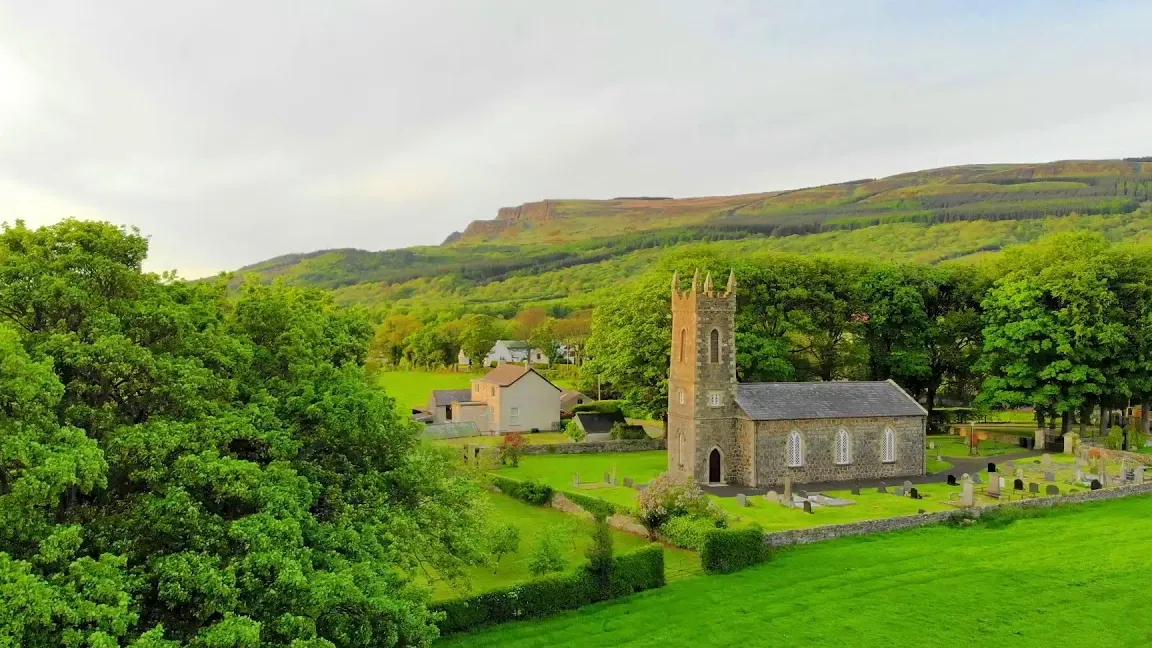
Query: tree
184,466
600,556
391,338
527,320
431,347
545,339
510,447
574,431
573,331
505,539
548,553
478,334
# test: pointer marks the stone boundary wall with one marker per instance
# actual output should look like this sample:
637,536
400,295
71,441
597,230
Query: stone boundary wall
1121,455
833,531
623,445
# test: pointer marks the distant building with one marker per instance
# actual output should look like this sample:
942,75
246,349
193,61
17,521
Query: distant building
510,398
570,398
512,351
758,434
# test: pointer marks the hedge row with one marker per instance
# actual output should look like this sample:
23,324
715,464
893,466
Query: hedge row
633,572
531,492
602,407
597,507
727,550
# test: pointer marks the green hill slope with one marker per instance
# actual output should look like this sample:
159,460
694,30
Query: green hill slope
564,252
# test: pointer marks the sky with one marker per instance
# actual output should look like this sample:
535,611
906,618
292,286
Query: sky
233,131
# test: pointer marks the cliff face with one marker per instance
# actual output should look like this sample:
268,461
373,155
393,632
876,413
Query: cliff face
533,211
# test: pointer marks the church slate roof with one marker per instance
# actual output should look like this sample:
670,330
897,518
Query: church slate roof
784,401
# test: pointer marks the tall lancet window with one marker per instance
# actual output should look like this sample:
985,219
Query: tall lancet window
714,347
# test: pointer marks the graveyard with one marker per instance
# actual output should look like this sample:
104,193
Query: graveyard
936,586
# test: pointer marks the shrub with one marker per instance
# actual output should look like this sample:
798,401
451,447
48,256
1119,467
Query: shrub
687,532
632,572
596,506
603,407
727,550
629,432
1136,437
599,555
548,553
510,447
505,539
665,498
574,431
527,491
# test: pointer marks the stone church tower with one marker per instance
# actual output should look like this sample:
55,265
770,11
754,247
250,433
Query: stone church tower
702,411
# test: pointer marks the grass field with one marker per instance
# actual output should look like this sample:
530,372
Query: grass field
497,439
412,388
954,446
1076,576
536,520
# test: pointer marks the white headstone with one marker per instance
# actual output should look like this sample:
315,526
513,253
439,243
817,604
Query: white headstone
994,485
1138,475
967,493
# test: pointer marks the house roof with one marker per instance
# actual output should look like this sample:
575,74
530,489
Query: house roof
445,397
506,374
571,393
513,344
817,400
596,422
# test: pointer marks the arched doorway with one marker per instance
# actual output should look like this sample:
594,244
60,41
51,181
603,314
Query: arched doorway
714,466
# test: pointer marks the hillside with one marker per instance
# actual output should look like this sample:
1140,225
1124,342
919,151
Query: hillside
562,252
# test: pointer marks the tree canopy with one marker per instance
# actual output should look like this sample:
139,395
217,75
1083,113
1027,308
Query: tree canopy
182,466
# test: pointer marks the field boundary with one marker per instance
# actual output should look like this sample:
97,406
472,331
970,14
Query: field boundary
590,447
884,525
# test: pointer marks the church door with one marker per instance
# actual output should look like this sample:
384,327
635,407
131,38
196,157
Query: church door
714,467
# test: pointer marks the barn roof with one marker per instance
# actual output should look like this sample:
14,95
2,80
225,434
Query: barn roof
445,397
817,400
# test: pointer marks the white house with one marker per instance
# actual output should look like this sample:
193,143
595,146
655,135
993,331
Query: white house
509,398
510,351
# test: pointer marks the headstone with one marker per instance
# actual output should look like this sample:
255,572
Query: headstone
967,494
965,478
855,490
1079,477
1096,485
1070,440
607,478
907,485
899,491
882,488
1138,475
1018,484
951,480
1019,473
1010,466
1051,489
914,494
991,467
976,479
1050,476
741,500
1034,488
1046,460
931,445
772,496
788,489
993,485
628,483
807,506
576,479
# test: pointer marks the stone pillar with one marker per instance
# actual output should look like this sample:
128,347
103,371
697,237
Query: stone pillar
1039,439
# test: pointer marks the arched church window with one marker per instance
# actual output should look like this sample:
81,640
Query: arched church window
714,347
889,446
795,450
683,342
843,449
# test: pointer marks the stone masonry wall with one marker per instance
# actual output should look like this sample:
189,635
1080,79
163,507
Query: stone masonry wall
621,445
833,531
819,437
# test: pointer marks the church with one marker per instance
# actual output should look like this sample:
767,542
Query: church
757,434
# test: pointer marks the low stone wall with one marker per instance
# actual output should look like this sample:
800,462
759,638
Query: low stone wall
634,445
833,531
1121,455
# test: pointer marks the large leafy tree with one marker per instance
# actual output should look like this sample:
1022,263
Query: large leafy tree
1053,326
181,467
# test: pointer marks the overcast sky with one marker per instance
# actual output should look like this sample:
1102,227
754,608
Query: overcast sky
238,130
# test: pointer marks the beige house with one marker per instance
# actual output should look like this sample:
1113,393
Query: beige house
570,398
515,398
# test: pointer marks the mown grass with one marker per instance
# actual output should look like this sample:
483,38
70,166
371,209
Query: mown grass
954,446
533,521
495,440
1077,575
413,388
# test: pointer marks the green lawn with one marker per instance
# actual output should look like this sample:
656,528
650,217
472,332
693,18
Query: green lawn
412,388
557,471
535,520
1073,577
954,446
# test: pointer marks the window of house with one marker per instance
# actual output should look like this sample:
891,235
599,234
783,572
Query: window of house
715,399
514,414
683,342
843,448
448,413
889,446
714,347
795,450
680,396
